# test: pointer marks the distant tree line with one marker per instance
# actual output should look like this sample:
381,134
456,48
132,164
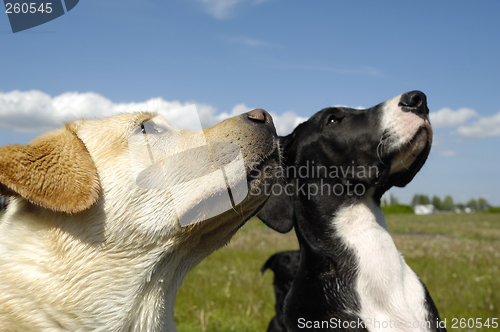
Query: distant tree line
440,204
447,203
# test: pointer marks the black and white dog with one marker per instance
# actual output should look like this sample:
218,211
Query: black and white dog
284,265
337,166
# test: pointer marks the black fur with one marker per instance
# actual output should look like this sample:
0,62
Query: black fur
284,265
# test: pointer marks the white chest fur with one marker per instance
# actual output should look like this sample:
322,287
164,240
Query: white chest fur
391,295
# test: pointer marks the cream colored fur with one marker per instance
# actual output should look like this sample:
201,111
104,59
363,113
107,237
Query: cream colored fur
115,261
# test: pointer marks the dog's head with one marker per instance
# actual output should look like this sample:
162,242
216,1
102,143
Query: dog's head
137,174
284,264
349,151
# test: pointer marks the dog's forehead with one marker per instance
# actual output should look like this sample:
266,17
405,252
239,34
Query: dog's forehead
339,112
122,123
136,119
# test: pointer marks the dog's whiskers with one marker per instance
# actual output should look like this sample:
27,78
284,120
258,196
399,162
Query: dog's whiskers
381,145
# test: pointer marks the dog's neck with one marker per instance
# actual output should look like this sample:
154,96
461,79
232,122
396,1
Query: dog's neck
387,287
362,275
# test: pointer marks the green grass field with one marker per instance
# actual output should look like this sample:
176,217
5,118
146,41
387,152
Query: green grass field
456,255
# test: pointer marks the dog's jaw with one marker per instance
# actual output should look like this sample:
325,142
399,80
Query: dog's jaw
411,150
405,142
400,127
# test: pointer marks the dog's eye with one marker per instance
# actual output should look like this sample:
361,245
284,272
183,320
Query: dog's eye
151,128
332,120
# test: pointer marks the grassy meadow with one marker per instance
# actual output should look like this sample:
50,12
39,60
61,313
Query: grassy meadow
456,255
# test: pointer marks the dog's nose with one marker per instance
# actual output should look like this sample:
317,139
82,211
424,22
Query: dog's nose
259,115
415,102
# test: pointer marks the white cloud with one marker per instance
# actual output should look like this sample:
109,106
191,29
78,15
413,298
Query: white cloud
449,153
286,122
37,112
27,111
220,9
447,117
484,127
250,42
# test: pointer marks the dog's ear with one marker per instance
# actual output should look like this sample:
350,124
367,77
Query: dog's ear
54,171
278,211
269,264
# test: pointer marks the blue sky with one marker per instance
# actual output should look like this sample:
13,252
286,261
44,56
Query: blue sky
291,58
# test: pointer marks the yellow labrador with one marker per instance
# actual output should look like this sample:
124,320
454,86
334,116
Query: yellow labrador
99,237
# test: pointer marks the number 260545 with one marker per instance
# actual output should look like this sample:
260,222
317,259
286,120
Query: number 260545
28,8
474,323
